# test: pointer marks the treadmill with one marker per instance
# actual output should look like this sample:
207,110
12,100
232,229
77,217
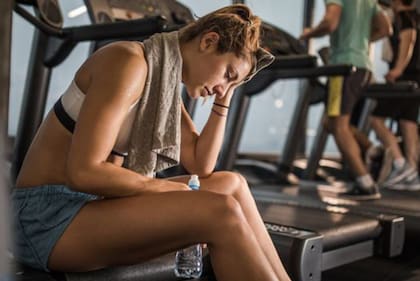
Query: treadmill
331,236
401,203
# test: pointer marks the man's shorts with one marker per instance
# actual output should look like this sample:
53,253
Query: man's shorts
41,215
345,91
399,109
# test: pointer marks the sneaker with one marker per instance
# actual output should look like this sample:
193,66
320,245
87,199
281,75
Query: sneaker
361,193
399,176
410,184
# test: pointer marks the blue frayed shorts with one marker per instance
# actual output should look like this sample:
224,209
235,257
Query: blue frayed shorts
41,214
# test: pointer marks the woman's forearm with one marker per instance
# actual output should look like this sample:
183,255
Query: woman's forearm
407,41
109,180
210,140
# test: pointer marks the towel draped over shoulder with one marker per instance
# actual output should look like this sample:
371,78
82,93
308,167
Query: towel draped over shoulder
156,135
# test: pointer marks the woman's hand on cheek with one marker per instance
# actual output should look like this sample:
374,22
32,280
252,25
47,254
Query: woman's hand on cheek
228,96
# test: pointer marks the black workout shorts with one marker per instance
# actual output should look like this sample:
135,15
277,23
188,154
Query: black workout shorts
345,91
396,108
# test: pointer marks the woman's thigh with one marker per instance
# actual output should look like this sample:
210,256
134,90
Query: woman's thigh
132,229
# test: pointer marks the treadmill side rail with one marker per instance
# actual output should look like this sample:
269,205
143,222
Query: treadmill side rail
391,241
300,251
345,255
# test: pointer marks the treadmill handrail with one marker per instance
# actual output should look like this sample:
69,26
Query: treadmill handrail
271,74
99,31
404,90
389,95
327,70
116,30
52,31
294,61
398,86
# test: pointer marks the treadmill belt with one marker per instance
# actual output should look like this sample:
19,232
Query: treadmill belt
338,229
400,203
394,202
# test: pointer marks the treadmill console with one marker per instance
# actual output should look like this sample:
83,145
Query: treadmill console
280,42
102,11
274,39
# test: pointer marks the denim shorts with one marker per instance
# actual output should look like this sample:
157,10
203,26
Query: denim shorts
41,215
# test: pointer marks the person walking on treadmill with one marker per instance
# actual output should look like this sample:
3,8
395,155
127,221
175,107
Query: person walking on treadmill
404,66
352,25
79,209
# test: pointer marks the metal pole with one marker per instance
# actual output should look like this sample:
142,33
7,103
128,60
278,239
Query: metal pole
34,100
296,134
308,18
308,15
309,10
5,31
317,150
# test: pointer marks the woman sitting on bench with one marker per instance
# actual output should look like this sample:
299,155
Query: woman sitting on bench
79,209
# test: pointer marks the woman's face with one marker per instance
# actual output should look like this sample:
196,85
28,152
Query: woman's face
210,73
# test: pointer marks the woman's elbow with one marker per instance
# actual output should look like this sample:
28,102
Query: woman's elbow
331,24
77,178
331,27
74,180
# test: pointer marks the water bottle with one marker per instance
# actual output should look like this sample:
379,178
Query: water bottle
189,261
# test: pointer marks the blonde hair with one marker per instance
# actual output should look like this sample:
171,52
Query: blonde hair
238,29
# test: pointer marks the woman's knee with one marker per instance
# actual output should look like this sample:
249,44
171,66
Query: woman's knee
233,180
227,213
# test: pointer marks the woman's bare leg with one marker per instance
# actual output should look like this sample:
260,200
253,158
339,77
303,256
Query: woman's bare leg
134,229
388,139
411,140
234,184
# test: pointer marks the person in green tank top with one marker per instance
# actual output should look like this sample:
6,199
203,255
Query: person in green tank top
352,25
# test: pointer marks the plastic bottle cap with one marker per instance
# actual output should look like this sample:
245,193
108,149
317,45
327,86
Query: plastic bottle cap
194,182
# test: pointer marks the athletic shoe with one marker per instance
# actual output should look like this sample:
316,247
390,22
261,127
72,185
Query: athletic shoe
410,183
399,176
359,192
414,185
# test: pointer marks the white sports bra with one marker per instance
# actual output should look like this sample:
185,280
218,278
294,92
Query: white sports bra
67,109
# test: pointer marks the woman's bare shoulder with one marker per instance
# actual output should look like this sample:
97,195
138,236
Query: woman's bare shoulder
121,53
121,61
124,48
